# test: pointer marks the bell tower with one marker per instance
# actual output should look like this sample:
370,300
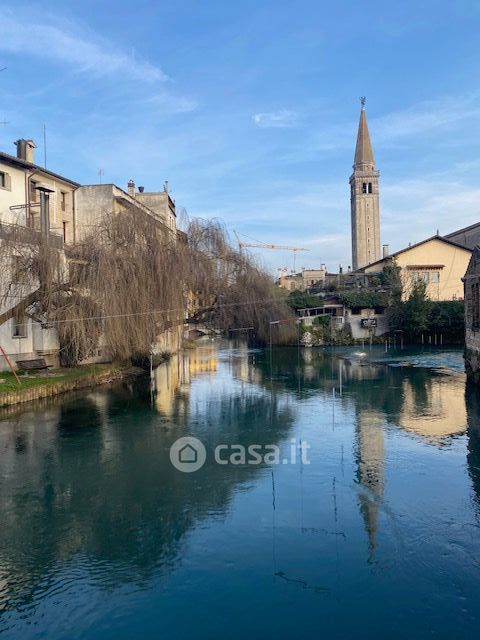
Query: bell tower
364,199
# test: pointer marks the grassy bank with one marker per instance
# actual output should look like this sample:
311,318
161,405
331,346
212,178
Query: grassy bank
54,376
58,381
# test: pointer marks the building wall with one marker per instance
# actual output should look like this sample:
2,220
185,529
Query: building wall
358,331
472,315
302,281
12,195
18,193
34,341
94,202
161,203
441,261
313,276
37,343
341,316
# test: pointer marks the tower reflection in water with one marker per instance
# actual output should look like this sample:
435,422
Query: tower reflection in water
87,487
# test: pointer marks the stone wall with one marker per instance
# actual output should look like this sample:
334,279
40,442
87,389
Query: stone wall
472,316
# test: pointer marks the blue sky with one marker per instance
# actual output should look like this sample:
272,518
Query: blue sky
249,109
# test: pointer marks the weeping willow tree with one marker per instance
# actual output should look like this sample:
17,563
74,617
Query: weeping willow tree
234,291
131,280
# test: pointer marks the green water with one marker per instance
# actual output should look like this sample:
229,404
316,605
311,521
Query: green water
375,535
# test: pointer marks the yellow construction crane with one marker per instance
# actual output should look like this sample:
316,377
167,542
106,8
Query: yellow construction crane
265,245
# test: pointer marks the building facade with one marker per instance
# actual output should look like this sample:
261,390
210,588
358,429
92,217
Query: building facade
364,200
438,262
20,178
93,202
160,202
24,185
471,283
303,280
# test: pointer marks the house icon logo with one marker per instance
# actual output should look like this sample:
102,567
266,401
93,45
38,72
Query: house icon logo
188,454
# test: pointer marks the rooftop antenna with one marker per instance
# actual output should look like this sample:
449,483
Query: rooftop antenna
101,173
4,123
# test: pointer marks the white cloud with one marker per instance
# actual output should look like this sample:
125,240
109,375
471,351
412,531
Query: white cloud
427,116
165,102
276,119
86,54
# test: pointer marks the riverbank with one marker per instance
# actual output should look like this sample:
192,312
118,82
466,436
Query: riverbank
59,381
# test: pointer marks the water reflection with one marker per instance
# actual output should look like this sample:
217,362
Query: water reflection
89,479
88,494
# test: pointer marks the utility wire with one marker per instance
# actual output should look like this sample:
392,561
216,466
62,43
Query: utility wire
159,311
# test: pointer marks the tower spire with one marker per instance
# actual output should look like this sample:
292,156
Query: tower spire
363,150
364,198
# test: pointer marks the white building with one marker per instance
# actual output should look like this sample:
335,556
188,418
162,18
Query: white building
20,198
22,183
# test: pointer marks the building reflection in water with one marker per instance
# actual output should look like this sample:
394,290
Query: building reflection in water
435,410
472,398
89,475
172,378
420,402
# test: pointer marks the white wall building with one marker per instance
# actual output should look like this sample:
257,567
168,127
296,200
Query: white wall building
21,337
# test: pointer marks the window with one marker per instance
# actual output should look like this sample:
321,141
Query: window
65,231
5,180
19,324
435,277
420,276
370,189
63,200
364,187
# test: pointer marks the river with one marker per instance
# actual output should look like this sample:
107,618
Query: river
369,526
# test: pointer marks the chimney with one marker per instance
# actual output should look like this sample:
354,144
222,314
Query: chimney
131,188
141,189
385,250
25,150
